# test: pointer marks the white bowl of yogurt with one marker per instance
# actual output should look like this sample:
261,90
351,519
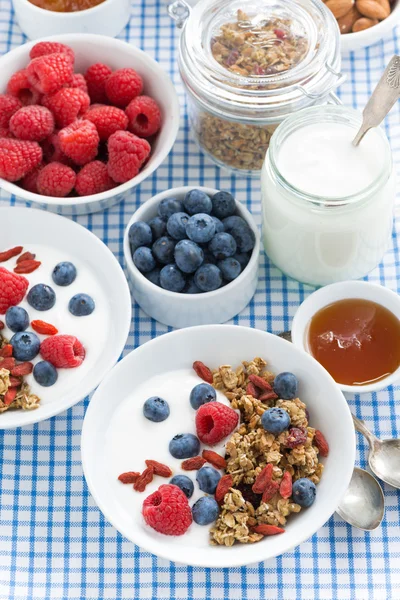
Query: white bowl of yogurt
103,333
117,438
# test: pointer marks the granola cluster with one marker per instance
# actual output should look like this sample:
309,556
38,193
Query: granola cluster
250,449
24,399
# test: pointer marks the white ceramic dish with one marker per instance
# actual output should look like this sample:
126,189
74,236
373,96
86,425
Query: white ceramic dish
37,230
108,18
361,39
172,353
185,310
117,54
340,291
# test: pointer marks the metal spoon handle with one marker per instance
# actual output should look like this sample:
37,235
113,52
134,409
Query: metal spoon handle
383,97
361,428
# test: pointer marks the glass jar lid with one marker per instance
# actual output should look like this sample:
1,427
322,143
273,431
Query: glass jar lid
260,54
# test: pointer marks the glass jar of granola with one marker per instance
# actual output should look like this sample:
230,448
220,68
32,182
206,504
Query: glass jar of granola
247,65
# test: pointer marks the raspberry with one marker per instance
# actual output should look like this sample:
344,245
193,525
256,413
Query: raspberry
28,183
80,141
167,510
96,77
144,116
126,155
63,351
5,133
44,48
215,421
20,87
52,151
56,179
8,106
123,86
93,178
67,105
34,123
49,73
12,289
108,120
17,158
79,82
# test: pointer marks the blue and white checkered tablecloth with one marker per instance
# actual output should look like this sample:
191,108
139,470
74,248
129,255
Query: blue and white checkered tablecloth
55,543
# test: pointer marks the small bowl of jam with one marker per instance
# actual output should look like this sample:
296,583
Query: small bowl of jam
352,329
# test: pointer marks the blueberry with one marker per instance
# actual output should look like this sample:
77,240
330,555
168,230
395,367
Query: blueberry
285,385
158,227
176,225
188,256
208,278
241,231
154,276
163,250
201,394
230,222
25,345
304,492
191,287
184,483
219,226
156,409
143,259
168,207
223,204
196,202
208,478
243,258
275,420
41,297
17,319
205,510
200,228
172,279
209,257
184,445
230,268
81,305
140,234
45,373
222,246
64,273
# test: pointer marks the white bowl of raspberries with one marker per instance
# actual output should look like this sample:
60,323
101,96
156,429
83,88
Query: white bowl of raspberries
192,256
83,120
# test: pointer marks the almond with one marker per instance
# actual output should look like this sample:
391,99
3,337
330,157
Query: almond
364,23
374,9
339,7
346,23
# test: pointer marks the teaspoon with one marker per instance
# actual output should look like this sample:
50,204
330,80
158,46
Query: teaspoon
363,505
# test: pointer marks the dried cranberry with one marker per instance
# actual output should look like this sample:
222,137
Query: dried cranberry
271,70
280,34
296,437
249,495
232,58
259,70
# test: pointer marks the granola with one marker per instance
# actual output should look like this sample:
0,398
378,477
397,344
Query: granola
250,449
23,399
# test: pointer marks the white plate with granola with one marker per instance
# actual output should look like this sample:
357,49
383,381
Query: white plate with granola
65,312
247,483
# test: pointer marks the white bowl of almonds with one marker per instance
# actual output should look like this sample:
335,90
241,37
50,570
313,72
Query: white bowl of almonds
364,22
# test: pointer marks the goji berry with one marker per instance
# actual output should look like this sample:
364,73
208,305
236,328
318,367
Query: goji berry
202,371
193,464
268,396
285,489
27,266
262,479
7,363
43,327
261,383
265,529
9,396
129,477
159,468
251,390
143,479
216,460
223,487
15,381
1,325
26,256
296,437
321,443
6,351
270,490
7,254
22,369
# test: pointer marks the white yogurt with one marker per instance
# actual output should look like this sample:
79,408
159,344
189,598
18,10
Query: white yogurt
131,439
91,330
321,237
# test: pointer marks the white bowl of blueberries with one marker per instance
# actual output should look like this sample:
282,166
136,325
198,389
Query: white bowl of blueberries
192,256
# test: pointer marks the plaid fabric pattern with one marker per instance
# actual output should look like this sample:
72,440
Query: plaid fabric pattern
55,543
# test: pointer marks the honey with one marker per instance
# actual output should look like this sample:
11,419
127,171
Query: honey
65,5
356,340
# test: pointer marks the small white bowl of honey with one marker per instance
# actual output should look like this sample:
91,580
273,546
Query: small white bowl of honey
353,329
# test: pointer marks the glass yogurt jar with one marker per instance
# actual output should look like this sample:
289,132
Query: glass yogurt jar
247,65
327,205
